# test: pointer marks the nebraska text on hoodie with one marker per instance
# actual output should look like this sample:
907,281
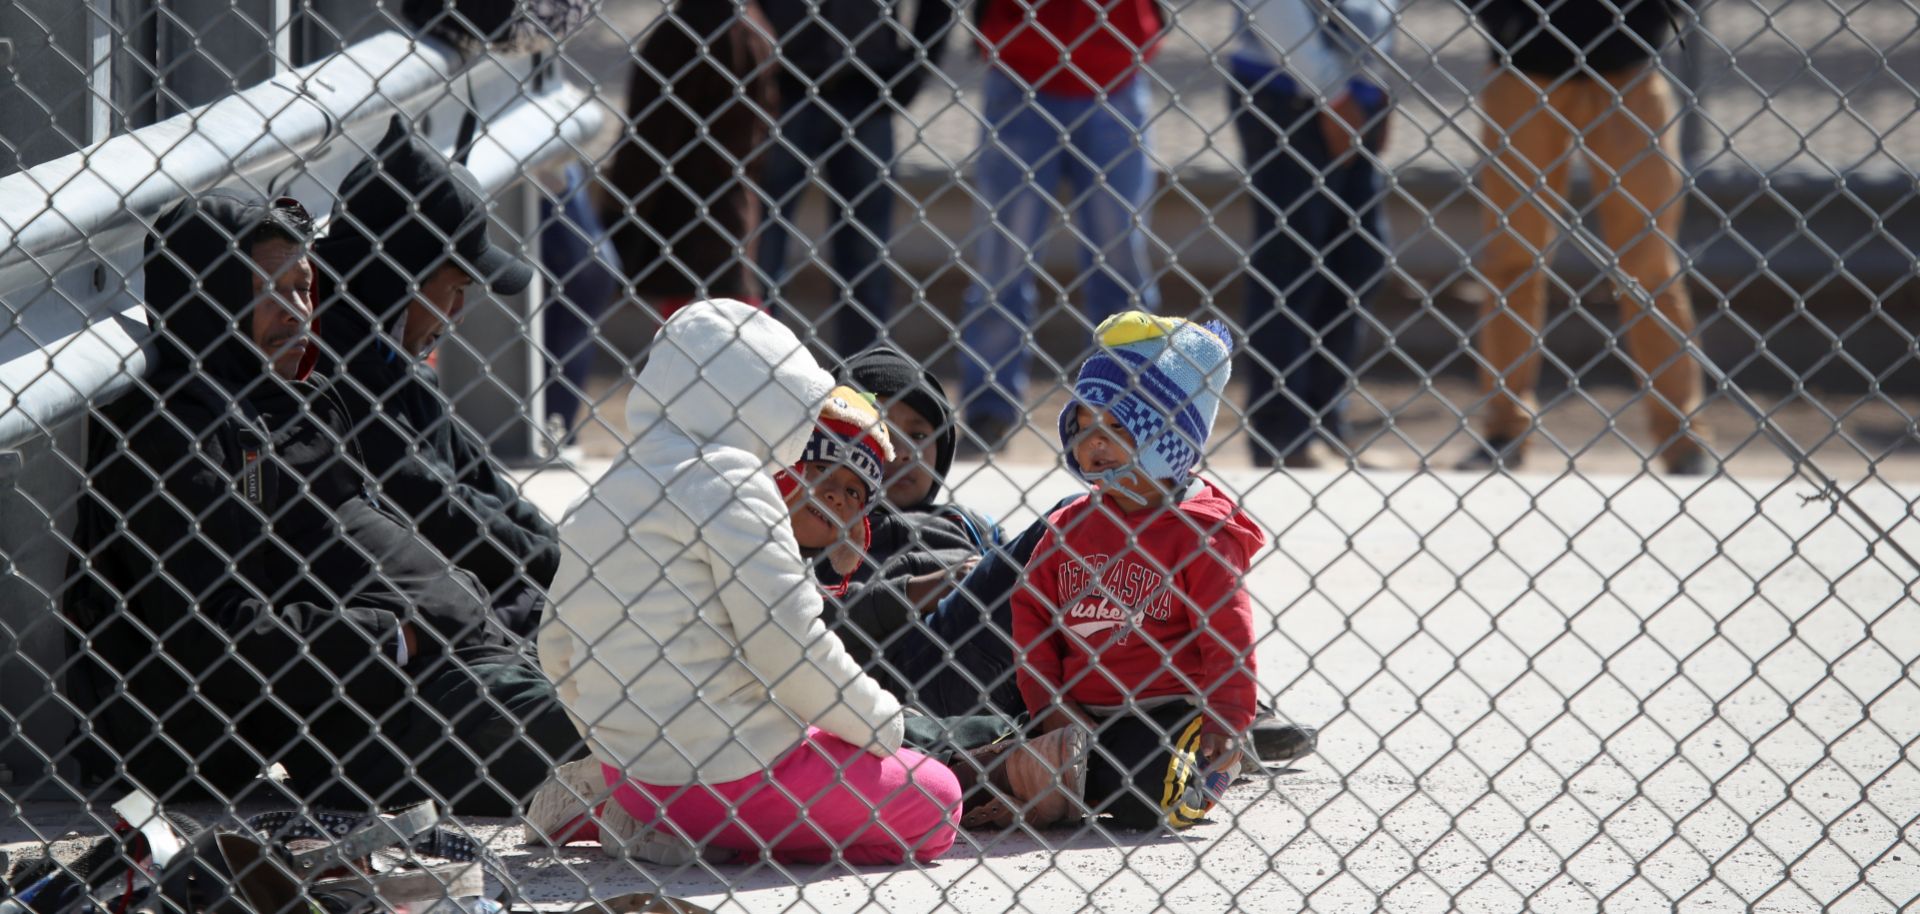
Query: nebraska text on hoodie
684,630
1118,607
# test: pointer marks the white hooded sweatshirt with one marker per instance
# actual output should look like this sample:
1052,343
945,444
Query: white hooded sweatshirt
684,630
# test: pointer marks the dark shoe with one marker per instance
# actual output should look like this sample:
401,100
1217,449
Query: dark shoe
1696,462
1305,457
1278,742
1492,454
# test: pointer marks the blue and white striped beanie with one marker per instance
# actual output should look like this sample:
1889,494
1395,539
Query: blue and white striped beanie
1160,377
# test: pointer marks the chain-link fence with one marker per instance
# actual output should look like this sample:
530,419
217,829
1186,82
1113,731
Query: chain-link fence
1509,507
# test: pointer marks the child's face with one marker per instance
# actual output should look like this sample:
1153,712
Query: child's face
1104,444
829,504
910,473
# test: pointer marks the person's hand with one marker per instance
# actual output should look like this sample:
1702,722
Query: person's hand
1219,750
1343,124
925,591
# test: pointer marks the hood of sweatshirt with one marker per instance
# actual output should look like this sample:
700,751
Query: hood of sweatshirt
891,376
404,211
724,372
199,288
1210,509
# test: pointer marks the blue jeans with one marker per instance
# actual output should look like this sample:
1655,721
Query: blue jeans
850,139
1302,321
576,252
1100,149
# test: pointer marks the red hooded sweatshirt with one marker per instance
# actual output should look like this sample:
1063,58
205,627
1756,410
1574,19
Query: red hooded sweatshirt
1141,605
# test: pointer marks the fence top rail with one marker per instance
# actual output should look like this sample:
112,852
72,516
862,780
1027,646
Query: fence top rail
71,229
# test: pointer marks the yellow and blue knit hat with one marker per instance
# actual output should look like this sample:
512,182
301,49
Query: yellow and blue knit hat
1160,377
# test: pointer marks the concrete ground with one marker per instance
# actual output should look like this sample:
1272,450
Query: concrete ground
1566,693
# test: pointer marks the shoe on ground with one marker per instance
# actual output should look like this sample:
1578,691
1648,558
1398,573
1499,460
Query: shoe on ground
561,810
622,837
1277,741
1492,454
1693,462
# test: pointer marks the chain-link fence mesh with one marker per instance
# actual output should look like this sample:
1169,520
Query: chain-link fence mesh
1551,548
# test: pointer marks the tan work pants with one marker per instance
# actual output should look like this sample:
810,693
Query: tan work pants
1534,131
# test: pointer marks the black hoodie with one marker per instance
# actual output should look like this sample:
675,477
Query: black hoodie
435,469
235,578
870,606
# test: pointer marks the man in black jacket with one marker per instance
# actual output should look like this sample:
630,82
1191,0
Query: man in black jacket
408,242
242,594
1582,78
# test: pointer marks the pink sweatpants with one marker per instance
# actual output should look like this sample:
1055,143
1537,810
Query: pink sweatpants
825,793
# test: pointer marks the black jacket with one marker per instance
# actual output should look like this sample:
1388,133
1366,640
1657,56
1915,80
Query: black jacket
1569,32
869,607
234,568
433,468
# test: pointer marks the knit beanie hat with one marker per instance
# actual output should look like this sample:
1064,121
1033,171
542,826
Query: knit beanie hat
894,378
850,431
1162,378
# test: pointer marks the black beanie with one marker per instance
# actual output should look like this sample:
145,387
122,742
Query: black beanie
892,377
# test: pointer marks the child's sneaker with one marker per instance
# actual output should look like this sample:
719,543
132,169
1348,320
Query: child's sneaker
623,836
562,810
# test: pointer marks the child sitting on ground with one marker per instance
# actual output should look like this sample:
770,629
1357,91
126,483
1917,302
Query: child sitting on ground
917,548
684,635
1133,624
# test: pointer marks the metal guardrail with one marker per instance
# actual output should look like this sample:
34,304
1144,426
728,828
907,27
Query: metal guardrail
71,229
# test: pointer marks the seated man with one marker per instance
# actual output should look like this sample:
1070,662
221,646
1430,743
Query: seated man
393,280
243,595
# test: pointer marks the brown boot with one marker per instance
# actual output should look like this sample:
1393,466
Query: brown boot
1042,782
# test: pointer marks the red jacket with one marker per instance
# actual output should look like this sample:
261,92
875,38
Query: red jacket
1141,605
1071,47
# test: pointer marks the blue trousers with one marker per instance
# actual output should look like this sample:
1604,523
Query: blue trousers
1028,147
1301,317
850,141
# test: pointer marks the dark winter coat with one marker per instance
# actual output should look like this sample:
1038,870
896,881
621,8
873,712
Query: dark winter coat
236,575
429,465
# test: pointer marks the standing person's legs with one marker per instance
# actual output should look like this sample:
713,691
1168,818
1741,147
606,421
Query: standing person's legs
858,173
1110,181
575,249
1524,185
1018,138
1356,264
805,131
1286,291
822,795
1642,200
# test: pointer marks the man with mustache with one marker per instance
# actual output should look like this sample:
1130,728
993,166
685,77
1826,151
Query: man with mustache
241,592
407,244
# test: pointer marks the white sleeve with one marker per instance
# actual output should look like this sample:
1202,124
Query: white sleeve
774,606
